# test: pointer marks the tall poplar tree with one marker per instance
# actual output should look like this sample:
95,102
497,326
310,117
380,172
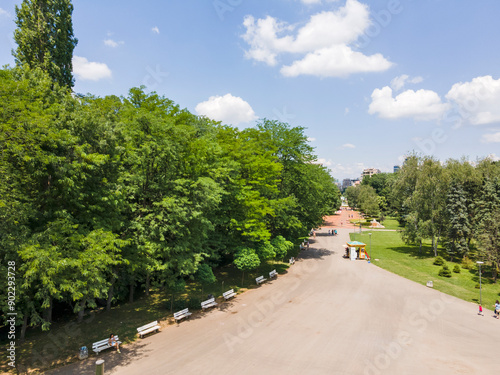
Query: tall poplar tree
45,39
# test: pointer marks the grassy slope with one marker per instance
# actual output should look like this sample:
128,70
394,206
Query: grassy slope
404,260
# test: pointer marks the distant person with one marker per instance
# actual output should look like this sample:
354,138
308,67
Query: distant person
329,232
112,342
480,310
497,309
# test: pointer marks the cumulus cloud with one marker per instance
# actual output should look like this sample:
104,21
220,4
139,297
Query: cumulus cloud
491,138
348,145
228,109
324,43
420,104
493,157
87,70
323,162
156,30
3,12
477,99
112,43
399,82
336,61
311,139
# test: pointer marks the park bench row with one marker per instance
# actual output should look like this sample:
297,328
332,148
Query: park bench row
101,345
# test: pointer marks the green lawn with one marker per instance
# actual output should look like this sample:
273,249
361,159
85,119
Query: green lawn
404,260
44,350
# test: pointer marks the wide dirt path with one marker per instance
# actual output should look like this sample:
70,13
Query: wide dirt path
327,315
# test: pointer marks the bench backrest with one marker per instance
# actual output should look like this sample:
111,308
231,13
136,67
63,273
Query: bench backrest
182,312
229,292
145,327
104,342
211,300
273,273
259,278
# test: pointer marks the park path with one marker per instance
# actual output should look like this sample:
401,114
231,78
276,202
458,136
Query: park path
327,315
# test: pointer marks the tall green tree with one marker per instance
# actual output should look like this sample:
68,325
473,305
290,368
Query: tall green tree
45,38
459,228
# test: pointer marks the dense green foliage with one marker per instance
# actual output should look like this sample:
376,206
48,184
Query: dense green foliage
45,39
102,197
455,203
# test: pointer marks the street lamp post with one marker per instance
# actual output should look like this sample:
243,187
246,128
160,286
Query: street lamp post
480,296
370,246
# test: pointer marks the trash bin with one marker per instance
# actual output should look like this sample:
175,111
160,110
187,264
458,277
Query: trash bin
99,367
84,353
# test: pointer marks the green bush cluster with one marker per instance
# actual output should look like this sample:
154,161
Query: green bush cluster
439,261
445,271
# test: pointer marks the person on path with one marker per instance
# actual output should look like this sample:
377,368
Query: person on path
480,310
112,342
497,309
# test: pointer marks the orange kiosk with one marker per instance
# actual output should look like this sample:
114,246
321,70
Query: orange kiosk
356,250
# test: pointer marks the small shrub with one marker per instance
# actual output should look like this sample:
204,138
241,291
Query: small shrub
467,264
477,286
439,261
456,269
445,271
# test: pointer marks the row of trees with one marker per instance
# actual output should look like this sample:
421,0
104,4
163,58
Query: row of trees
101,196
456,203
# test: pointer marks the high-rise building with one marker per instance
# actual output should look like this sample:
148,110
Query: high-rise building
369,172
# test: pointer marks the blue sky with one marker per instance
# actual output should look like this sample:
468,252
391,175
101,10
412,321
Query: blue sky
370,81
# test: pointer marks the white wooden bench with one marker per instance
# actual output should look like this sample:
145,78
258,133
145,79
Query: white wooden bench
208,303
103,345
145,329
182,314
260,280
292,260
272,274
228,294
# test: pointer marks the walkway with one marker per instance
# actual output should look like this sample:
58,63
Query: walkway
328,315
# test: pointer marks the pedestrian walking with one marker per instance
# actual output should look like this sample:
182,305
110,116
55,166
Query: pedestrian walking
480,310
497,309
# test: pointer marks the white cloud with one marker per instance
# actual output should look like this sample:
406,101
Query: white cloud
3,12
228,109
87,70
112,43
311,139
323,162
336,61
477,99
491,138
348,145
493,157
399,82
324,43
420,105
346,111
156,30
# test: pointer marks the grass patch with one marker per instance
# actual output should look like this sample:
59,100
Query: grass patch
395,256
59,346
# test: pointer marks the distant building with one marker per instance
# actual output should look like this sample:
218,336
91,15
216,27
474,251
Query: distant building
369,172
346,183
396,168
356,182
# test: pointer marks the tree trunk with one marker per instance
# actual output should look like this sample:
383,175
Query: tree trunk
147,283
110,294
24,326
81,312
131,292
420,247
48,311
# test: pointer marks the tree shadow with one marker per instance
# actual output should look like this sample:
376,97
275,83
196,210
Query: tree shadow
426,252
315,253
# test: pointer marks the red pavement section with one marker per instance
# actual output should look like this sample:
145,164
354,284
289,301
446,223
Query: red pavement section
342,220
